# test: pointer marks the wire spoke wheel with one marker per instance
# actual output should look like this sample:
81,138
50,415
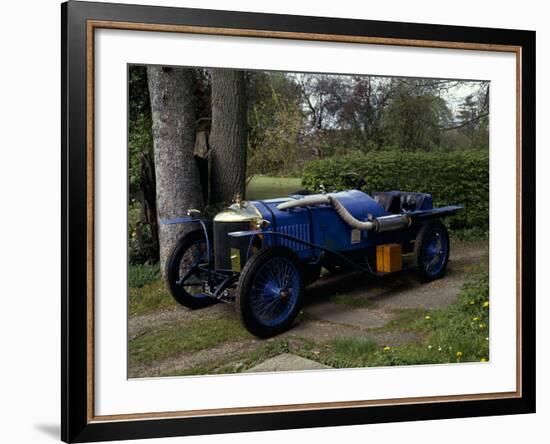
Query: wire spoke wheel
183,271
194,256
432,249
274,292
270,291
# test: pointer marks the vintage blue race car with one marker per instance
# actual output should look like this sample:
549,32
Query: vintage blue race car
262,254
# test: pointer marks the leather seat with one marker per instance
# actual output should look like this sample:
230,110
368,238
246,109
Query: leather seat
397,202
412,201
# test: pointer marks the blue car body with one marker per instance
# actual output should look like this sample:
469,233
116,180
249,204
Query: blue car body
321,226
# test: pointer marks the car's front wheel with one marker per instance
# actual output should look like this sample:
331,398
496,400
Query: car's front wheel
270,291
183,271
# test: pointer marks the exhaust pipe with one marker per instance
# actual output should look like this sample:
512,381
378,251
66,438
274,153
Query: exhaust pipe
393,222
379,224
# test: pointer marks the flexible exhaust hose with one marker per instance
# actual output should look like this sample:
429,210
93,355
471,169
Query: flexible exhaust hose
348,218
380,224
305,202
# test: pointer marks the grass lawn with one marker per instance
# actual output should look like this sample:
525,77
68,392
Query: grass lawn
177,338
265,187
150,297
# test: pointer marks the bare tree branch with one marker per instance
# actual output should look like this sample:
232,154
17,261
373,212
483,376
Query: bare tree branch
463,124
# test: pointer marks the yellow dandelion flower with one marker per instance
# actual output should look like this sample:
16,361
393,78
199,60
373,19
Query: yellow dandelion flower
485,304
482,325
472,302
483,360
475,318
386,348
458,354
427,317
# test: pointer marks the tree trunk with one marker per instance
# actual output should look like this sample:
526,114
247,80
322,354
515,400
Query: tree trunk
148,201
228,134
177,177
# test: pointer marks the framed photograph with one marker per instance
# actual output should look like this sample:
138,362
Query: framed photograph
276,221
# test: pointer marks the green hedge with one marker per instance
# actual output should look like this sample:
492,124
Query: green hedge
458,177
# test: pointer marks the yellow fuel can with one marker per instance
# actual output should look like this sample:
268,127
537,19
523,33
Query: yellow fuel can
389,258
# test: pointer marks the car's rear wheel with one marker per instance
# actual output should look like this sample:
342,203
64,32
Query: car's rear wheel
270,291
189,253
431,250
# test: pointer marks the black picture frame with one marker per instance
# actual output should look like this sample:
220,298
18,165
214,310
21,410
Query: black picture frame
77,425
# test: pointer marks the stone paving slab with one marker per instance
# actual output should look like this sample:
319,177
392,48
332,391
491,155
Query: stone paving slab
343,314
286,362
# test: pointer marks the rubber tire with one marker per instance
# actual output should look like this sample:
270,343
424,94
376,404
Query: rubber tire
172,272
242,300
425,229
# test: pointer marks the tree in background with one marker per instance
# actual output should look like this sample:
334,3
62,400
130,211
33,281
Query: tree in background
173,122
275,125
414,117
473,117
319,93
359,106
228,135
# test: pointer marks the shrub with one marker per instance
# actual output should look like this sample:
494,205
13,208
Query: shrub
142,245
456,177
141,275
